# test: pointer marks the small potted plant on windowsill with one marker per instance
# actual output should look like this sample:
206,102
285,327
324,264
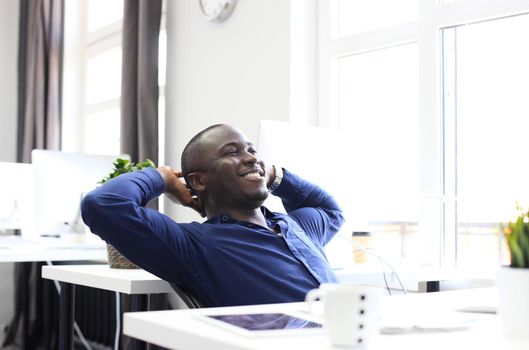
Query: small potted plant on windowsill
122,166
513,280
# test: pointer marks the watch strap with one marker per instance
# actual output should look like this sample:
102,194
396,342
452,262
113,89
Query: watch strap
277,180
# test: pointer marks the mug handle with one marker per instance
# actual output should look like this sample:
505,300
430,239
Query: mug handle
312,296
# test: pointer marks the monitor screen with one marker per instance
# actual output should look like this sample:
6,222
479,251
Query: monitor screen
17,196
313,153
61,180
319,155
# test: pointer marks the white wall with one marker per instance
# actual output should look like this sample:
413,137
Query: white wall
237,71
9,10
8,73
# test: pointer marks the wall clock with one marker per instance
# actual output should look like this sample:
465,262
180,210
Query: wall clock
217,10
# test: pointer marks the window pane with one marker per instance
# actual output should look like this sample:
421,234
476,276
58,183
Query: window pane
492,123
359,16
102,132
378,107
103,12
103,76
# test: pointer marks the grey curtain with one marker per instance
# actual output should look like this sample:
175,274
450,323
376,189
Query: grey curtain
139,101
34,323
139,91
40,76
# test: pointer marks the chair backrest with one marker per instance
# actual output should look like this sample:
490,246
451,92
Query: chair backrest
189,299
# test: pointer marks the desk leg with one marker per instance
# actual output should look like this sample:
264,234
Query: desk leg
138,302
66,316
24,295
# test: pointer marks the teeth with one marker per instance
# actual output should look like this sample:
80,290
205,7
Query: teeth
252,176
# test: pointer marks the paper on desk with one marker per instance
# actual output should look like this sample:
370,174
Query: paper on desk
436,323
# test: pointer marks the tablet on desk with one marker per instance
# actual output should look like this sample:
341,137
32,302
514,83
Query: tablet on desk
263,324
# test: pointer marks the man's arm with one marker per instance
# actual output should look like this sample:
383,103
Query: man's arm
116,213
315,210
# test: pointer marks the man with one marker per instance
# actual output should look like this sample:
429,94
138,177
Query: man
243,253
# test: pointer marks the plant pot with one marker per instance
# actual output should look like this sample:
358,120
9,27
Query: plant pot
513,306
117,261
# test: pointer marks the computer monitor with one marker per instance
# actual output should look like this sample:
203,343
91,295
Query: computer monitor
318,155
61,180
311,152
17,196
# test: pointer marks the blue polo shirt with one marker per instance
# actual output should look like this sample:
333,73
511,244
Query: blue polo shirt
222,261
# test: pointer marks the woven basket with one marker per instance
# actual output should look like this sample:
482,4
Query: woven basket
118,261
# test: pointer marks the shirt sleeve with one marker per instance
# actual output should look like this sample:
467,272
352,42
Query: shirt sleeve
316,211
116,212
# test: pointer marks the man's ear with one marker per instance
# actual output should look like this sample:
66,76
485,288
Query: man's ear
196,181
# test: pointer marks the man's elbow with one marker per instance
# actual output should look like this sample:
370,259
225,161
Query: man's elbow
340,219
91,210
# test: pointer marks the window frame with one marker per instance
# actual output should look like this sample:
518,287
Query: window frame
80,46
437,219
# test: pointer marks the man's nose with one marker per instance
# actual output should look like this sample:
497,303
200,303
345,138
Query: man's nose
250,157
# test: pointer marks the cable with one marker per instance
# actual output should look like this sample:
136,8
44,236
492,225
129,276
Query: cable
386,282
75,326
369,250
383,272
118,322
362,248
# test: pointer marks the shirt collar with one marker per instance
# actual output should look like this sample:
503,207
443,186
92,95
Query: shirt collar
226,218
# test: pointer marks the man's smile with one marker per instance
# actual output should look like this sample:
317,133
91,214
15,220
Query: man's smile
253,174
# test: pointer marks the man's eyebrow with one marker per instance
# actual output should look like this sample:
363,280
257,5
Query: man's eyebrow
235,144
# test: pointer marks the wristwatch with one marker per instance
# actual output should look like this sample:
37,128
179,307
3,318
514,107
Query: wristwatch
277,180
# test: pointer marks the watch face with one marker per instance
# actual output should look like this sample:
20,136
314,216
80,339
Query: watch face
217,10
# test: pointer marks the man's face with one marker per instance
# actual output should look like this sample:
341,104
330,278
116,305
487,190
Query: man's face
235,177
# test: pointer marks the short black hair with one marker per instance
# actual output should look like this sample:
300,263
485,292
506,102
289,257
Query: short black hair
191,152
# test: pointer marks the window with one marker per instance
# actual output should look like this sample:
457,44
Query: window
489,93
92,78
378,94
432,95
371,67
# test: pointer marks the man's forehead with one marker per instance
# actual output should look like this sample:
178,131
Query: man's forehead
225,135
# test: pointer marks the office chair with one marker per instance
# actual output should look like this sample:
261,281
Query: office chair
189,299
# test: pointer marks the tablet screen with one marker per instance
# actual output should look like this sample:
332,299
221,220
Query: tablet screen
266,321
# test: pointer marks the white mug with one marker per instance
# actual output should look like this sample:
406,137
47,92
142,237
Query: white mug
350,312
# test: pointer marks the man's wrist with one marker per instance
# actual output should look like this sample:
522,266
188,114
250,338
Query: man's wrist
277,180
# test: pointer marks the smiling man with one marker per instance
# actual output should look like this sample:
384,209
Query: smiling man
243,253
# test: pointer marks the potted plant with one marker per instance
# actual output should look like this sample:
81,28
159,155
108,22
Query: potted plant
122,166
513,280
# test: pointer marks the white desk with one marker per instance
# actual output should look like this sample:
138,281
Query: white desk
18,249
128,281
416,277
180,329
373,274
136,282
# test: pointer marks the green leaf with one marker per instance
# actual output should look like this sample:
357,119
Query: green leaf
517,258
517,236
523,243
123,166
